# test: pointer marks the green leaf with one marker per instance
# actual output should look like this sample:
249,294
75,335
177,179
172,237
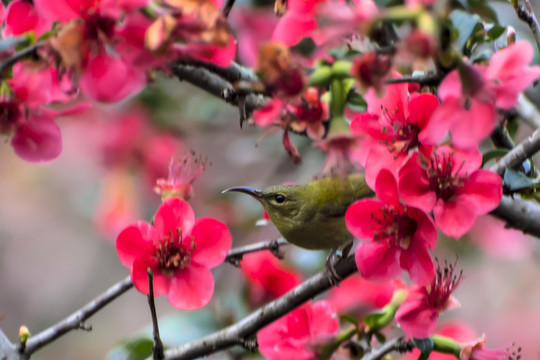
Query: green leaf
355,101
465,23
349,319
516,180
380,337
495,32
135,349
493,154
372,319
481,8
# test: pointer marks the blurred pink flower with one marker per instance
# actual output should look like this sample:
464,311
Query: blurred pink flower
268,277
468,109
418,315
398,236
356,293
183,172
475,350
180,252
493,237
300,333
451,185
21,17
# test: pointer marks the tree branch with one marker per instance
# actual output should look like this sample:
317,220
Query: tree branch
520,214
235,255
397,344
518,154
76,320
525,13
157,348
232,73
238,333
217,86
426,80
24,53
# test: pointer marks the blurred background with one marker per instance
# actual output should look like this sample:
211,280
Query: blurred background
58,223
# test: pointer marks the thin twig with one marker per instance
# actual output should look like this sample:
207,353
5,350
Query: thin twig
396,344
246,328
228,7
232,73
235,255
525,13
157,349
527,111
24,53
76,320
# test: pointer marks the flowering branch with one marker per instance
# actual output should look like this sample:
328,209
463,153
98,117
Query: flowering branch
76,320
235,255
526,14
239,333
157,349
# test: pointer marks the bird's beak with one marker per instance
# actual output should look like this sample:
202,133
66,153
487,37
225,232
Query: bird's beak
256,193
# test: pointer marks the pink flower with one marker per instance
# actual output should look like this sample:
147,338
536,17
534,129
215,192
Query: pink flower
418,315
475,350
398,237
299,334
297,23
182,173
21,17
268,278
468,108
450,184
356,293
391,126
180,252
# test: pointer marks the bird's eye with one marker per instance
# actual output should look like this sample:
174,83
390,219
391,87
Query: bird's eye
280,198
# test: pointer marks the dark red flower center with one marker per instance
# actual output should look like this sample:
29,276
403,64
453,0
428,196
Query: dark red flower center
9,115
445,282
403,135
98,27
443,177
396,228
171,253
309,112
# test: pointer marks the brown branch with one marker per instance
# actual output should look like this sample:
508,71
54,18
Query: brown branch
525,13
76,320
426,80
157,348
397,344
239,333
520,214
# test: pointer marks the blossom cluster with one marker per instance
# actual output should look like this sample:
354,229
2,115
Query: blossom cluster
104,50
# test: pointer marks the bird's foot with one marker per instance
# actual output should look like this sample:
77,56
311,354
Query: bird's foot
330,269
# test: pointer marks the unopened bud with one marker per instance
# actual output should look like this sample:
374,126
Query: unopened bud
24,334
510,35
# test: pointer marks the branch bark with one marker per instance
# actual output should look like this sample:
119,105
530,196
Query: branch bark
518,154
525,13
76,320
239,333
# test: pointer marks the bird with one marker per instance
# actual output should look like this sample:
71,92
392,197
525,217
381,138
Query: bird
312,216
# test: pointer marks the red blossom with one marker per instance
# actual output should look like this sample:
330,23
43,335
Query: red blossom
180,252
268,277
391,126
21,17
397,236
418,315
450,184
475,350
300,333
468,110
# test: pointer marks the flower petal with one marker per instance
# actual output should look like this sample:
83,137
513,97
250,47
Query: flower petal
421,108
377,262
417,261
212,242
484,190
387,190
139,276
292,27
191,288
473,125
359,219
414,187
456,217
39,140
417,319
174,214
135,241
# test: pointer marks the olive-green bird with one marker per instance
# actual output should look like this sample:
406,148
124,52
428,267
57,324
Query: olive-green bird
312,216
